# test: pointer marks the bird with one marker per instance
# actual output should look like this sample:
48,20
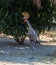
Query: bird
32,34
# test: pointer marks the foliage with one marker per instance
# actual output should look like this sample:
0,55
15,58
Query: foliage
10,14
54,11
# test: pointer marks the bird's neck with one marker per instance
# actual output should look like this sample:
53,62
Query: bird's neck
28,24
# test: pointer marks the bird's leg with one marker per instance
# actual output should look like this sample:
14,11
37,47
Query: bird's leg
32,47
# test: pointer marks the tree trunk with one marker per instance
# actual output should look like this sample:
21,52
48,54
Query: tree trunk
37,3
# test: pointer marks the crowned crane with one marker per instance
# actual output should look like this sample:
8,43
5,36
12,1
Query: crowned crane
32,34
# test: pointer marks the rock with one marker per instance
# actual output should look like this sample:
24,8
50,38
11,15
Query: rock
27,41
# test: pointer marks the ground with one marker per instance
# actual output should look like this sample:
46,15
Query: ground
13,54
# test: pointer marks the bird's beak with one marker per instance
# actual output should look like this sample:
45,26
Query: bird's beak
22,18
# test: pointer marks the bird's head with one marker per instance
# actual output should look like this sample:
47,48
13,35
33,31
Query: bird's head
24,19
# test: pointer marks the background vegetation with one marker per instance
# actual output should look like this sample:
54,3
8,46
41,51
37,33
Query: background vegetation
10,14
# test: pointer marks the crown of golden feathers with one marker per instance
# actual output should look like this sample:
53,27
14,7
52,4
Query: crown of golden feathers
26,14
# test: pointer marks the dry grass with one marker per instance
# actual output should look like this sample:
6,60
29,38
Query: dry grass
48,36
49,33
7,36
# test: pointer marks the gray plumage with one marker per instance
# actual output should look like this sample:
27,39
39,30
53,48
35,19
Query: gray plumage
32,34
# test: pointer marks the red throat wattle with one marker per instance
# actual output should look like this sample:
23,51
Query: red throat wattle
25,20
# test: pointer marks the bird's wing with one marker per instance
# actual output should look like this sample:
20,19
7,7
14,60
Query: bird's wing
34,32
